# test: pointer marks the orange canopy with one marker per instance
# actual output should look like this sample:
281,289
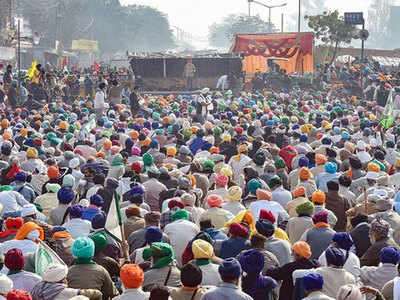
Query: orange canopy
298,48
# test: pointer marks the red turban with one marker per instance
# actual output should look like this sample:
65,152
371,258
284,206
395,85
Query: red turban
267,215
238,230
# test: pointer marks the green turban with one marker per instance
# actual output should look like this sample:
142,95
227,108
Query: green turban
163,251
280,163
306,208
100,241
180,215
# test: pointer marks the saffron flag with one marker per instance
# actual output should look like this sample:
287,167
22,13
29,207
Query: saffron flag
64,62
32,69
387,115
96,66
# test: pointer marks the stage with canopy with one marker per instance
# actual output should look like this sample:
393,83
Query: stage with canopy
294,52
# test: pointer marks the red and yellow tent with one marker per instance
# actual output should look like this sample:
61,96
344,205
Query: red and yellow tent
296,48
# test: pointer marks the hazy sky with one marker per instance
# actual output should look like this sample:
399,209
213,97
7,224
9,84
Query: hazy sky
196,16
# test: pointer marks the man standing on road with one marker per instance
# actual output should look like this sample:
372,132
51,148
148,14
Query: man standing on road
99,101
134,100
188,73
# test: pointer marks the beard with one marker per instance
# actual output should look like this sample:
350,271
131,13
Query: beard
372,239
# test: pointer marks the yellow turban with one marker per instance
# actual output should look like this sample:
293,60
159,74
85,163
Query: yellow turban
202,249
227,171
234,193
32,153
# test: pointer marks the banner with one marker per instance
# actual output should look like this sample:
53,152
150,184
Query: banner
387,115
114,218
45,256
85,45
31,70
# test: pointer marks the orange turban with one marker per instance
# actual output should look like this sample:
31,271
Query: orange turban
25,229
373,167
214,201
171,151
107,145
101,154
304,173
214,150
318,197
263,195
53,172
134,134
132,276
299,192
302,249
320,159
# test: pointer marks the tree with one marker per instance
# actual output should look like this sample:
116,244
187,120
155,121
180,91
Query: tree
378,23
222,34
331,29
115,27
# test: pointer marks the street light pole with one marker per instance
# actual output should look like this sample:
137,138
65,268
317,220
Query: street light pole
282,22
270,7
19,47
299,25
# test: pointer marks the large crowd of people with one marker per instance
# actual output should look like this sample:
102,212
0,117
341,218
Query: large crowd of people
272,194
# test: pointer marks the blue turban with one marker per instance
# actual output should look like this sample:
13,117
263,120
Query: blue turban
154,144
153,234
303,162
335,256
75,211
129,143
99,220
83,247
97,200
313,281
265,228
345,135
20,176
331,167
252,261
57,229
65,195
343,239
230,267
390,255
303,138
136,190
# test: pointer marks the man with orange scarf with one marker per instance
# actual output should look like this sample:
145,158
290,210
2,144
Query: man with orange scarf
26,239
320,236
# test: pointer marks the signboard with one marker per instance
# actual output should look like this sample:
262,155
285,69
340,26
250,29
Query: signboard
354,18
85,45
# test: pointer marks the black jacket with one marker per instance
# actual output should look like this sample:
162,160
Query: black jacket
285,272
360,236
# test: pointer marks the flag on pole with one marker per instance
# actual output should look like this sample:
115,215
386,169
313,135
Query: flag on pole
64,62
32,69
387,115
96,66
114,218
45,256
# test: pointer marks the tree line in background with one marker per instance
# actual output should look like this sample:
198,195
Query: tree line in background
222,34
115,27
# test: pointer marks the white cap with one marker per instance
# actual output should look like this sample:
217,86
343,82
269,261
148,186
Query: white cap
361,145
372,175
28,210
381,192
205,90
55,273
74,163
6,284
